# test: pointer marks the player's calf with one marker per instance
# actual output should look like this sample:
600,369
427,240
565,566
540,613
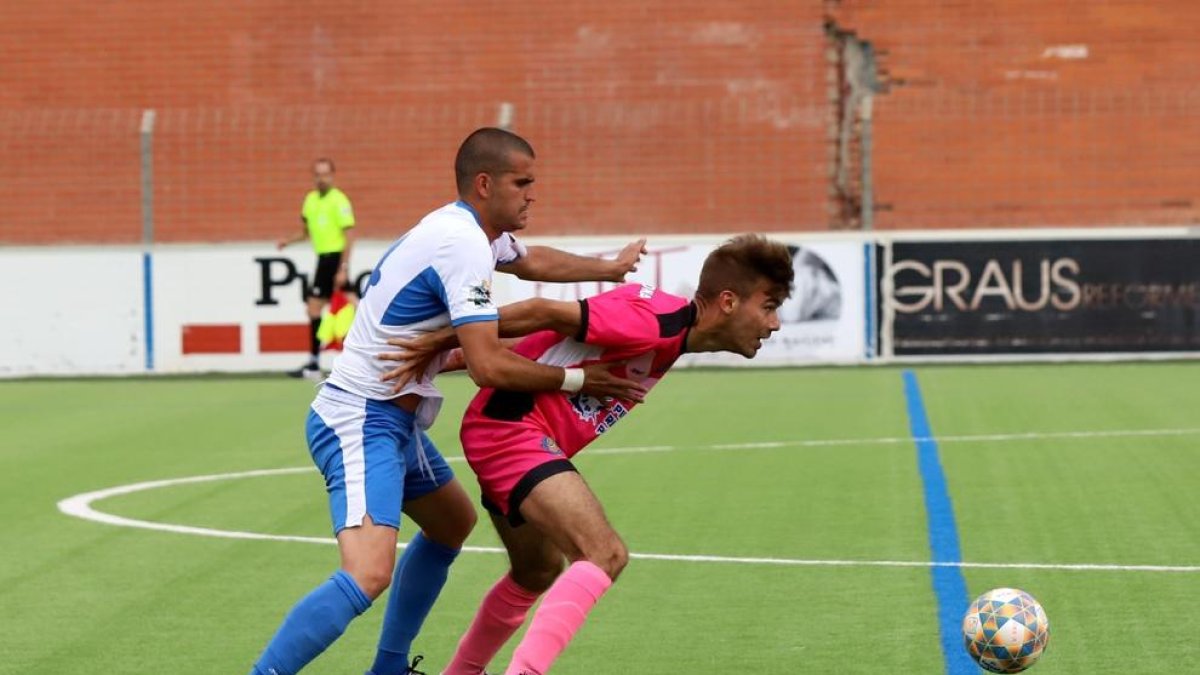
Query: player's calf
368,551
446,517
535,562
536,577
560,616
564,509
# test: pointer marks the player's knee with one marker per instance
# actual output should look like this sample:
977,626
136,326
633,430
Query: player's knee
453,529
618,560
372,578
454,534
612,557
446,516
461,527
536,576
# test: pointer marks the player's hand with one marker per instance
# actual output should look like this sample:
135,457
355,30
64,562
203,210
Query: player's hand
455,360
600,382
628,259
415,356
339,279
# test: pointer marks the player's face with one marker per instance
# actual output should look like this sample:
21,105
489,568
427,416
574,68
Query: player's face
323,176
752,320
511,194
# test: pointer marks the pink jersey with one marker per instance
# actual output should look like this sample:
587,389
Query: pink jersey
634,323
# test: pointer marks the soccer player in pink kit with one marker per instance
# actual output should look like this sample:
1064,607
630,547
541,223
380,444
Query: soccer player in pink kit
520,443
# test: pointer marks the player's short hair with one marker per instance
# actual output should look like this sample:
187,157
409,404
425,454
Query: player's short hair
486,150
324,160
740,263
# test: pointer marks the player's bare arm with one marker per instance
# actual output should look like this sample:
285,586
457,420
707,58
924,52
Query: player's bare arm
517,319
543,263
490,364
343,273
284,242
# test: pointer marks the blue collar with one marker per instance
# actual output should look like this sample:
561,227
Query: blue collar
470,209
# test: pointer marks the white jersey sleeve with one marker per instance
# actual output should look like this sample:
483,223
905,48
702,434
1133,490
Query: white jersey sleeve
466,276
437,274
508,249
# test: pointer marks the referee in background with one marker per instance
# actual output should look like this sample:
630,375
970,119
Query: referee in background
326,219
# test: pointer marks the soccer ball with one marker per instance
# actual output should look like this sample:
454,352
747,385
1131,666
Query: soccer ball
1005,630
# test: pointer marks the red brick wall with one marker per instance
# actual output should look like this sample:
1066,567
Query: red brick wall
648,116
987,125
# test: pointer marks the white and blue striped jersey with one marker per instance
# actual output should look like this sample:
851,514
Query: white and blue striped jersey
438,274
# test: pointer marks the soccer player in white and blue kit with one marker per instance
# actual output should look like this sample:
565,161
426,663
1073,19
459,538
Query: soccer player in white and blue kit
369,442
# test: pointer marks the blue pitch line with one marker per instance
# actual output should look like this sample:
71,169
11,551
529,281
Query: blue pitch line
869,294
948,584
148,307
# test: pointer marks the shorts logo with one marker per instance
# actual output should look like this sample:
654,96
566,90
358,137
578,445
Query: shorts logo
589,409
616,412
480,294
550,446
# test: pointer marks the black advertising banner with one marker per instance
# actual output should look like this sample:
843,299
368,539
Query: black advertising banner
1044,297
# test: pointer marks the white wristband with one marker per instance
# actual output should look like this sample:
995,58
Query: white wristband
572,379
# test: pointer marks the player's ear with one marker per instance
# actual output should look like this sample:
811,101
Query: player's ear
727,301
483,185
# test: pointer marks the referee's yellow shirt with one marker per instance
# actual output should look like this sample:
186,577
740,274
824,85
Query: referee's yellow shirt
327,218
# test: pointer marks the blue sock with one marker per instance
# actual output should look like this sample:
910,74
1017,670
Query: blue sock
312,625
419,578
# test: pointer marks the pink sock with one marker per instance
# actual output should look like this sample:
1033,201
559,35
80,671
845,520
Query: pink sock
500,615
561,615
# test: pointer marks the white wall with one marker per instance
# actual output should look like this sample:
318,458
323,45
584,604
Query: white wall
823,322
82,310
71,311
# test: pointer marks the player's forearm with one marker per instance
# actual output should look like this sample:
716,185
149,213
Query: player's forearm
519,319
345,259
550,264
456,361
503,369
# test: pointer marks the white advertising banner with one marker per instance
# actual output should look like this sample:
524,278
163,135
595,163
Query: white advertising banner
72,311
240,307
823,322
237,307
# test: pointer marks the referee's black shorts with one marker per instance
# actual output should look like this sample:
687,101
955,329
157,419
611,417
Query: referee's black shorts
327,269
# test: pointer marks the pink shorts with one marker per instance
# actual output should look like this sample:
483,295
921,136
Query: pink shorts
510,459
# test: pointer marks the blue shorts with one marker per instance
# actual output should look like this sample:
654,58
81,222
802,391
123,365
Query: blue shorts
367,451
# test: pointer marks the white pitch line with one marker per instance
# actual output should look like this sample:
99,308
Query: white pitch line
904,440
915,563
80,506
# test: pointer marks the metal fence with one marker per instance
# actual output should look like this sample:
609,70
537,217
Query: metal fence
757,161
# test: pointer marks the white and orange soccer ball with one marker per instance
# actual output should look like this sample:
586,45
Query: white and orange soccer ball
1005,630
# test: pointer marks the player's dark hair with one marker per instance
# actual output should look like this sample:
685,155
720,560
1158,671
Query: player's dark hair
487,151
739,264
324,160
